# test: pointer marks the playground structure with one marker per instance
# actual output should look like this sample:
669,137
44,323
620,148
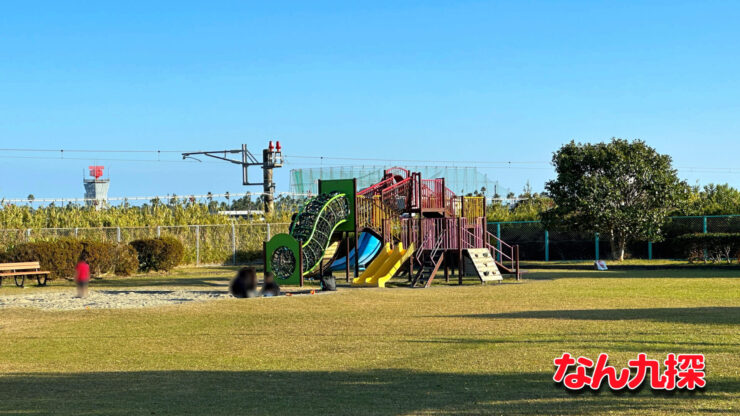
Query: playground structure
422,225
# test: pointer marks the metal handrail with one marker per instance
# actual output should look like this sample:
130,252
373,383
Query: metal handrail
420,251
496,249
436,247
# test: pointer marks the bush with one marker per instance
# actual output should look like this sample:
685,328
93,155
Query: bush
172,254
158,253
61,256
147,250
101,256
58,256
127,260
714,247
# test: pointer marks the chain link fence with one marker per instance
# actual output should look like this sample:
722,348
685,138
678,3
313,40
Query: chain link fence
537,243
239,244
227,244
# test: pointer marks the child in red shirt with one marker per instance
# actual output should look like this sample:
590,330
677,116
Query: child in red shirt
82,277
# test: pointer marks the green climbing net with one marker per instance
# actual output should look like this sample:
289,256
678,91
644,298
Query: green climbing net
313,226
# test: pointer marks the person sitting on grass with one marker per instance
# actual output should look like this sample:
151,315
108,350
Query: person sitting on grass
244,285
269,287
82,275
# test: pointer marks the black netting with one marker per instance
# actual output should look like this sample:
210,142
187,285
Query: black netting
675,227
571,245
530,236
574,245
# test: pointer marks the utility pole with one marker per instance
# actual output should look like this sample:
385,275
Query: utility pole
272,158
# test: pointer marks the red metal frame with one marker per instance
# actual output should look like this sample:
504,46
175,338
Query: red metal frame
461,226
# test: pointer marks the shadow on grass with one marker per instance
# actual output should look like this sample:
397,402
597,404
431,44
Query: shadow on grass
726,315
377,392
684,273
603,342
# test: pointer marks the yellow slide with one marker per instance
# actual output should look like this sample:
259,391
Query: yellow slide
373,267
383,268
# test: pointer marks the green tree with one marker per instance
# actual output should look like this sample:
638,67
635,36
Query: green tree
621,189
712,200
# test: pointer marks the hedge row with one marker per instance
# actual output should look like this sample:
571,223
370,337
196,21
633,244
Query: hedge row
714,247
60,256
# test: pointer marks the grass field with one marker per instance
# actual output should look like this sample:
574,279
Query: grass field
444,350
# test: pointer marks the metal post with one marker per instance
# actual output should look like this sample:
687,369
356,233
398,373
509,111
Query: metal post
547,245
300,261
650,250
28,235
596,246
159,231
357,255
76,232
704,221
461,269
268,232
498,243
346,256
118,235
197,245
233,243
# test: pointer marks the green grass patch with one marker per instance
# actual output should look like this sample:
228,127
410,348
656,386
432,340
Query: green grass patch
444,350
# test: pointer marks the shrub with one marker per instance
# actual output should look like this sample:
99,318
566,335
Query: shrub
58,256
127,260
158,253
101,256
172,253
61,256
714,247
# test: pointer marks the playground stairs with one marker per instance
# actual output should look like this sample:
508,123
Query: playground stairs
484,265
429,266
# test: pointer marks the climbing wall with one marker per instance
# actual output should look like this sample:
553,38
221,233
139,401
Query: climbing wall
483,264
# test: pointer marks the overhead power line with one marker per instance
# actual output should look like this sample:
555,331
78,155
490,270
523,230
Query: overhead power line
361,159
104,159
503,164
89,150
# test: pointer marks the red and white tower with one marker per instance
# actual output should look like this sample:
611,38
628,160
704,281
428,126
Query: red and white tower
96,187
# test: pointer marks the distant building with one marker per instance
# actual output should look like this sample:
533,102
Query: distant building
96,188
252,214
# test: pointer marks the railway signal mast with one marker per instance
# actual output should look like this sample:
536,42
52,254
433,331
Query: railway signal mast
272,158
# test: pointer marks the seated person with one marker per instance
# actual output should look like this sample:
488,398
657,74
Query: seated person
269,287
244,285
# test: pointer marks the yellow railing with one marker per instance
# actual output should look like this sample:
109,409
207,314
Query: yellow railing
371,212
468,206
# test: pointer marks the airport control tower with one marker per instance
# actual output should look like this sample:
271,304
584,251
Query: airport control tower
96,188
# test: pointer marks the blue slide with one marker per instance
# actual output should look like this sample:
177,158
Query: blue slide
369,248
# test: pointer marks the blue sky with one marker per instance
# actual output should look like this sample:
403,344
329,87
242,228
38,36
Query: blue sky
469,81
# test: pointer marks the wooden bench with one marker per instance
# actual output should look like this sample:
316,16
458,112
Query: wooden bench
19,271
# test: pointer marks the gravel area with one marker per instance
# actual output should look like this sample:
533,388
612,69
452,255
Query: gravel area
109,299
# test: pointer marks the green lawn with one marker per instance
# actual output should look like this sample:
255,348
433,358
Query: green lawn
444,350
